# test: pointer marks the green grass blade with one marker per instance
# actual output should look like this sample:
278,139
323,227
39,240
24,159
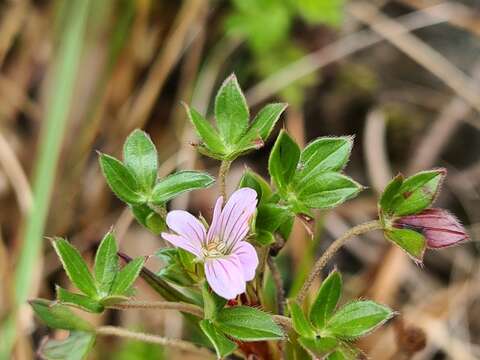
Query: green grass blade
64,75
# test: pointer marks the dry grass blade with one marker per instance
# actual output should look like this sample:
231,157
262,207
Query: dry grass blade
334,52
423,54
14,171
144,101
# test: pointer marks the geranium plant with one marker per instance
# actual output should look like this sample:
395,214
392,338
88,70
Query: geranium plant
214,271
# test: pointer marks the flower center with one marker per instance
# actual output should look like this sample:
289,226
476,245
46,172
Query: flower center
214,248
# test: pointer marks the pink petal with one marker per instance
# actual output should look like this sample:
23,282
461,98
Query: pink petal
248,258
440,238
236,215
225,276
186,225
440,228
185,244
216,218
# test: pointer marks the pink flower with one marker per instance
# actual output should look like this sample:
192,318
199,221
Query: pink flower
440,228
229,260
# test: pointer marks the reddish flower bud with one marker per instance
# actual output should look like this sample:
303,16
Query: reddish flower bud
438,226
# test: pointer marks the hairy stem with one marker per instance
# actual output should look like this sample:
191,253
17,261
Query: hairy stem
333,248
154,339
277,279
160,305
222,174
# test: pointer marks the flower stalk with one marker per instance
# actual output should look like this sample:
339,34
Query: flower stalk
222,175
154,339
331,251
160,305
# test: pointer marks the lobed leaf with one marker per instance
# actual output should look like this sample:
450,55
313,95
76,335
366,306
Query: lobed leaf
75,347
206,132
59,316
327,300
326,190
231,111
140,157
300,323
148,218
320,347
121,180
261,127
178,183
324,154
223,346
254,181
106,263
77,300
283,160
75,267
270,216
248,324
127,276
357,318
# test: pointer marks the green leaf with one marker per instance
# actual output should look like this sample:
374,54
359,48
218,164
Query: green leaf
264,238
162,287
283,160
81,301
231,111
178,183
286,228
179,266
248,324
206,132
59,316
121,180
262,126
357,318
148,218
212,303
106,263
388,196
320,347
127,276
75,347
324,154
418,192
270,217
300,323
75,267
327,300
223,346
412,242
140,157
326,190
254,181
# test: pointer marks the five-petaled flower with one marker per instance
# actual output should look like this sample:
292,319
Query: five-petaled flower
440,228
229,261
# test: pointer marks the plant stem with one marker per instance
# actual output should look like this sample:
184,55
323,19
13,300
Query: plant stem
160,305
333,248
277,279
154,339
222,174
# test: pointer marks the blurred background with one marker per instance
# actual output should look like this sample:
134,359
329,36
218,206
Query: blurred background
77,76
